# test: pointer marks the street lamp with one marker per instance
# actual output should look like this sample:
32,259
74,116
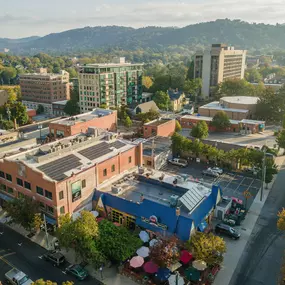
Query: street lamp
8,113
40,128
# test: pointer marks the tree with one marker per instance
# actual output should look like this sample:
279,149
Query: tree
40,109
270,171
178,127
116,243
207,247
128,122
193,86
24,212
147,82
7,125
221,121
8,73
148,116
283,122
48,282
253,75
12,95
71,108
165,252
280,139
72,72
103,106
200,130
281,220
190,71
162,100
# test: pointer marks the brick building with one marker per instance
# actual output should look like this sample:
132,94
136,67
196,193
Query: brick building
43,88
99,118
243,126
160,127
62,175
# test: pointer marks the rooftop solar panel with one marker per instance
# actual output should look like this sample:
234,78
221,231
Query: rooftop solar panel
117,144
191,198
55,169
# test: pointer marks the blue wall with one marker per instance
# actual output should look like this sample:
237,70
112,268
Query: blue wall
166,215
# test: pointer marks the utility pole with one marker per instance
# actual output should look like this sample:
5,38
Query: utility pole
45,225
263,173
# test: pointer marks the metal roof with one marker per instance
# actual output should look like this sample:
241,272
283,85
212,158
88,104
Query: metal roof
191,198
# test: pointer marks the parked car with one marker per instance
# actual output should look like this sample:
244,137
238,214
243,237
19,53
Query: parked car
210,172
178,161
17,277
227,231
54,257
252,170
217,169
78,271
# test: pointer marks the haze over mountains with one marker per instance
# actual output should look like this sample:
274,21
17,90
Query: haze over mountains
235,32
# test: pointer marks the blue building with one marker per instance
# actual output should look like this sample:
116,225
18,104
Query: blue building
160,203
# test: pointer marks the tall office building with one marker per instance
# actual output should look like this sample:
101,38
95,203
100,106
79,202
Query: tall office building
218,64
43,88
113,84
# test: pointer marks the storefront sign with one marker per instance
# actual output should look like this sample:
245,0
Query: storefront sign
153,220
76,190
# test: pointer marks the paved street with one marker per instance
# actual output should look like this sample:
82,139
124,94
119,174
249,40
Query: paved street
26,257
262,258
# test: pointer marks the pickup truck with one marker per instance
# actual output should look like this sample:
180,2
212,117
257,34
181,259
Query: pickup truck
17,277
178,162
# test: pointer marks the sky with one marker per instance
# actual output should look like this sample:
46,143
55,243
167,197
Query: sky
23,18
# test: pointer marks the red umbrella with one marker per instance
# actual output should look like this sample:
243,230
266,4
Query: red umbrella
185,256
136,261
150,267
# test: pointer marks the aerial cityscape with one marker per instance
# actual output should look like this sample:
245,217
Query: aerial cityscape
142,143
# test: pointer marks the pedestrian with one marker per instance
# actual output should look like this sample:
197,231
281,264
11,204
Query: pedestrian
101,272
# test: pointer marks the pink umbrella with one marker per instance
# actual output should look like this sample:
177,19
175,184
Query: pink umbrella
185,256
150,267
136,261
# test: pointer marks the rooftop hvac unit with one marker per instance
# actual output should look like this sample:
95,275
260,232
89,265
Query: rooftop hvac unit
174,200
116,190
179,179
141,170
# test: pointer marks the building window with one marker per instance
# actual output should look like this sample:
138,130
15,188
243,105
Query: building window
83,183
105,172
3,187
50,210
40,190
62,210
113,168
130,159
10,190
27,185
42,206
9,177
48,194
20,182
149,163
2,174
61,196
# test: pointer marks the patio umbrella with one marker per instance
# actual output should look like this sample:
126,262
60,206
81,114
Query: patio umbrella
185,256
143,251
144,236
199,265
150,267
163,274
95,213
153,242
192,274
174,266
136,261
176,279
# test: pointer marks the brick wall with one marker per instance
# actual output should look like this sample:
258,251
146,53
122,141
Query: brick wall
164,130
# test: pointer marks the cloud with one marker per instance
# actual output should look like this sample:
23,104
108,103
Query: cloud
138,14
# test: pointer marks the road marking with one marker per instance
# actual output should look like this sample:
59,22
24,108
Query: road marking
40,257
7,262
7,254
20,244
64,272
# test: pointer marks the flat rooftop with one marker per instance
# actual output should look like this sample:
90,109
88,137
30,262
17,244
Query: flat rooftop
248,100
101,65
217,106
68,156
207,119
133,187
157,122
158,144
71,121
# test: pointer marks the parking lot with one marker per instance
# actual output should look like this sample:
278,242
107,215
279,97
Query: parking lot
233,185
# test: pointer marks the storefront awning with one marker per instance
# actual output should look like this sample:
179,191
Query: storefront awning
202,226
50,220
6,197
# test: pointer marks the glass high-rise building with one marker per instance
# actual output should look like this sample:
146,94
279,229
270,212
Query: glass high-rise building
112,84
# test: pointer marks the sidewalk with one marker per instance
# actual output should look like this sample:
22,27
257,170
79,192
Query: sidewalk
110,275
236,248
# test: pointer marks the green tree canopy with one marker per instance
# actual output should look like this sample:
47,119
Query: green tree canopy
40,109
128,122
116,243
193,86
148,116
221,121
162,100
24,211
178,127
253,75
280,139
8,73
71,108
200,130
147,82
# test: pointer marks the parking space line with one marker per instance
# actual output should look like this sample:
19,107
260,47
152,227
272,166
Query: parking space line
236,190
7,262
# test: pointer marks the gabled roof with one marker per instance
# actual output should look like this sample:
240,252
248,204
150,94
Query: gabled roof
174,95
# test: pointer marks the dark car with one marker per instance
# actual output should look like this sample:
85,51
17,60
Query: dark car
78,271
227,231
210,172
54,257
